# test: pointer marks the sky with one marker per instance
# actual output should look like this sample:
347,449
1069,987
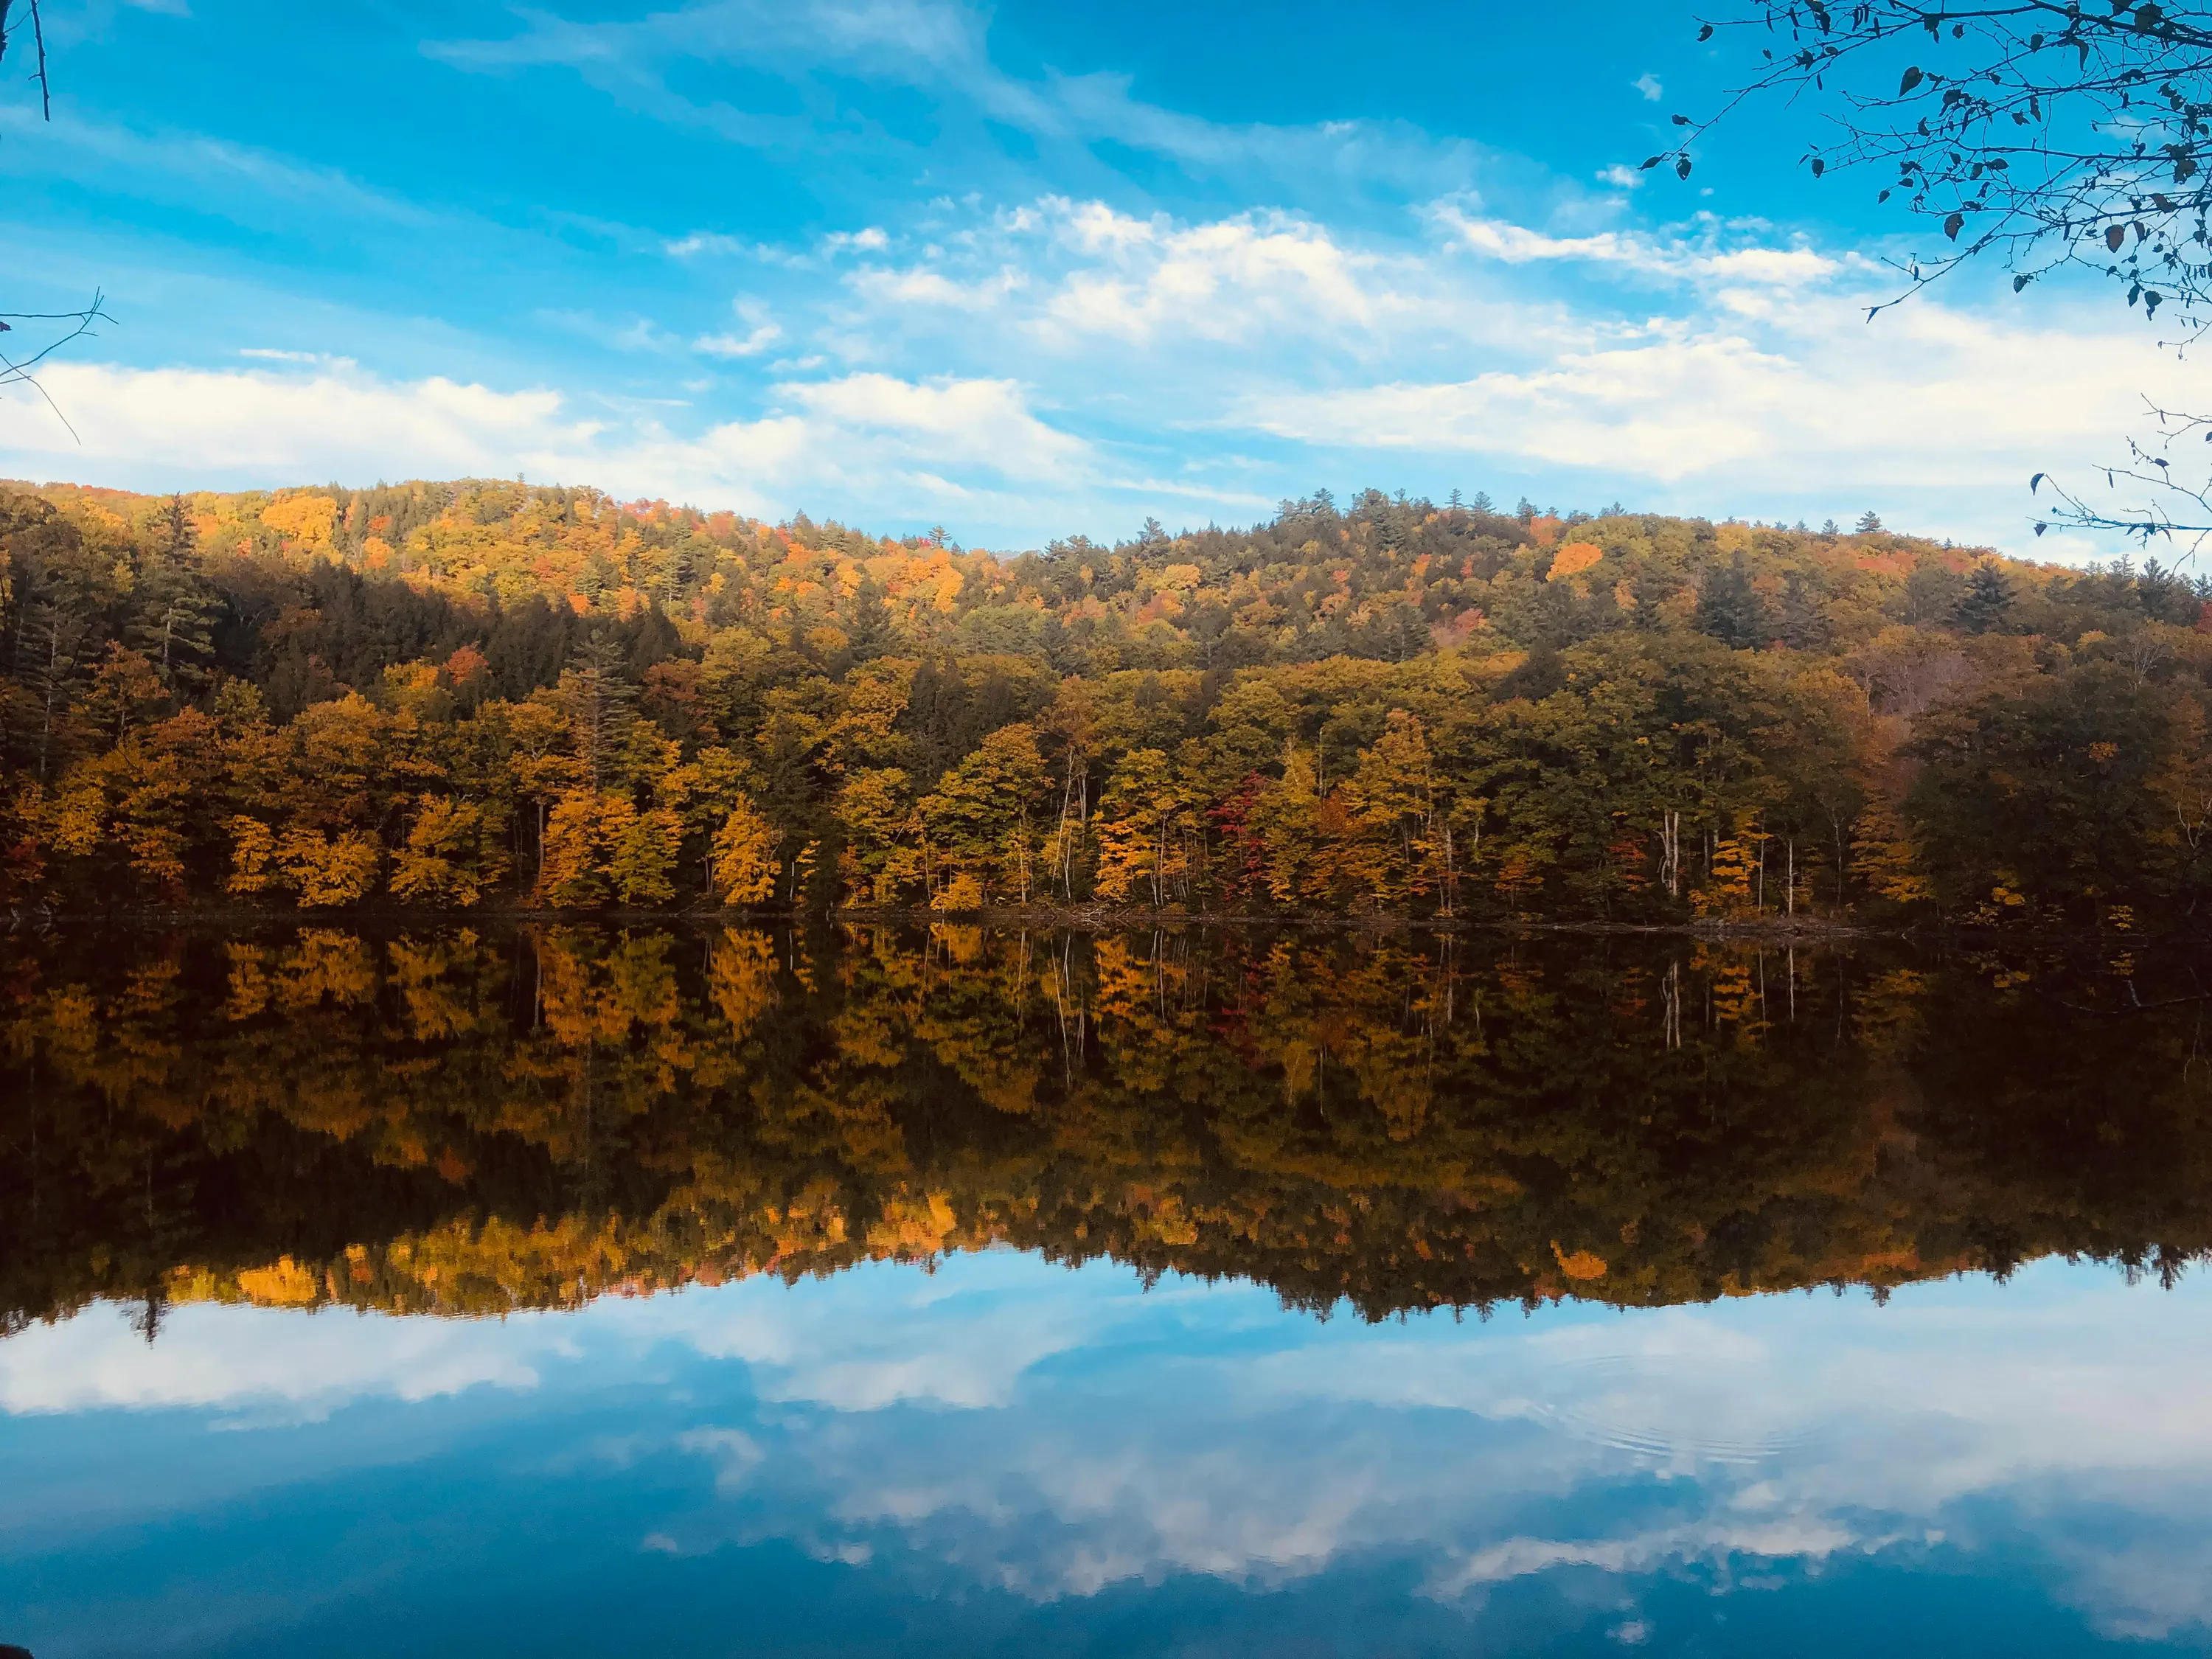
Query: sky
1074,1455
1017,272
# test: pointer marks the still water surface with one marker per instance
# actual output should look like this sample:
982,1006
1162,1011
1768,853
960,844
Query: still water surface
736,1292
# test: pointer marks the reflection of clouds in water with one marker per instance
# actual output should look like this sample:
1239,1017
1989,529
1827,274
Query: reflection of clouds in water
1648,1551
2139,1583
233,1358
962,1337
1781,1428
1011,1423
859,1342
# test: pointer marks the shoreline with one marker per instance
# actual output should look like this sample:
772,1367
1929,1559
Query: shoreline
1091,918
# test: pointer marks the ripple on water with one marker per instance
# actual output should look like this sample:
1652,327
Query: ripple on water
1676,1407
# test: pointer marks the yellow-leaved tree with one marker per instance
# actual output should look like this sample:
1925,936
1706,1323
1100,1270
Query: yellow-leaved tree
1140,844
640,848
328,870
745,862
324,869
600,847
1884,857
873,812
569,869
443,861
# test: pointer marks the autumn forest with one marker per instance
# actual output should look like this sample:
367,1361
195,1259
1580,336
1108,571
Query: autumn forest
481,695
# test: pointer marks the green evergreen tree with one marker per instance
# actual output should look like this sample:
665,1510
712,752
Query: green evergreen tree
1988,598
1730,610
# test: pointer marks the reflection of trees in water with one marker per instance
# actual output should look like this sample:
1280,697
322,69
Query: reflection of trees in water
453,1123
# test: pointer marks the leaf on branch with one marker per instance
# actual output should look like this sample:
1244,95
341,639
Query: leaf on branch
1818,167
2022,282
1953,224
2114,236
1681,120
1913,77
2036,480
2040,528
1706,33
1650,164
1682,167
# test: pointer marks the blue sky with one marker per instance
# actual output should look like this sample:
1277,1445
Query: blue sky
1019,271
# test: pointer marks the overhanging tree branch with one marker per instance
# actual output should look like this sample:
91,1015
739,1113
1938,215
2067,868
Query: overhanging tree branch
39,51
2046,133
68,325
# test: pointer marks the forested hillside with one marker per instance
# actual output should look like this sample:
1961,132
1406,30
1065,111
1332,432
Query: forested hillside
487,693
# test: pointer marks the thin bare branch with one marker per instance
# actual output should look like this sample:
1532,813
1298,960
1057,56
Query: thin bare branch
38,52
20,371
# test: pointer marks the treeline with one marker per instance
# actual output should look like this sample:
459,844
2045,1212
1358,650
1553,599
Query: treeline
454,695
446,1123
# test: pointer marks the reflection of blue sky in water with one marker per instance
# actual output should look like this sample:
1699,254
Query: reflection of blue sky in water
1007,1452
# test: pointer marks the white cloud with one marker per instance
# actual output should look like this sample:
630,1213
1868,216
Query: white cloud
761,331
1795,391
705,241
872,437
921,287
1648,84
1701,255
749,344
873,240
1229,279
186,423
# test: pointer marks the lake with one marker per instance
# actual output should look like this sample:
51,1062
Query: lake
730,1291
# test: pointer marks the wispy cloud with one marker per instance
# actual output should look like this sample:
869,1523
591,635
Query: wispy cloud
1708,251
938,47
240,182
761,332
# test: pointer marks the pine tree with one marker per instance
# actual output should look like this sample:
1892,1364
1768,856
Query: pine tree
868,633
1988,596
1730,610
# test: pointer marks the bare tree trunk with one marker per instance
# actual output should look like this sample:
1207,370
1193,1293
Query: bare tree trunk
54,690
